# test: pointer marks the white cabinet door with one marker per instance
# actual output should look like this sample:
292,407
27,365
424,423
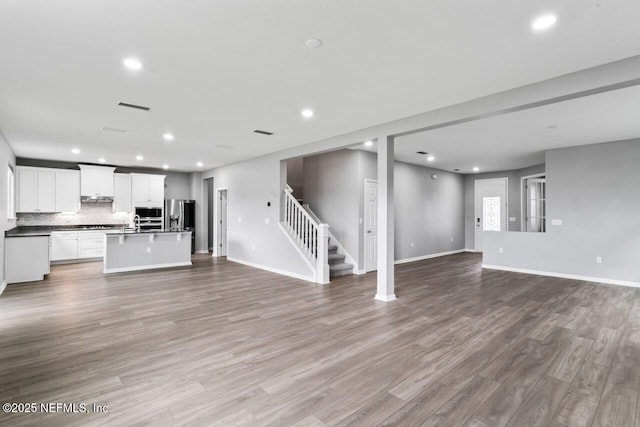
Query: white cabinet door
67,191
64,245
27,184
46,191
122,193
156,188
105,182
140,188
89,182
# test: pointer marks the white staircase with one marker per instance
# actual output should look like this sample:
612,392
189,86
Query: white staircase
310,236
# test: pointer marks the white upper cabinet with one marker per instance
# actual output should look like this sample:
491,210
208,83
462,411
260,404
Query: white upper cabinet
67,194
36,189
96,181
147,188
122,193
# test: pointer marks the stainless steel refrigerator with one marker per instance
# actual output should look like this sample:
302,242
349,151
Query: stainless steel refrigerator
180,215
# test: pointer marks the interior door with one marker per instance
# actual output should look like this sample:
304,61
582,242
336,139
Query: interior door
491,207
371,225
222,222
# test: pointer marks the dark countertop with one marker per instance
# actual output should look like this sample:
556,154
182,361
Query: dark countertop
45,230
127,232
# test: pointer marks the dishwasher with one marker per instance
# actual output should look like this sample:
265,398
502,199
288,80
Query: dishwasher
64,245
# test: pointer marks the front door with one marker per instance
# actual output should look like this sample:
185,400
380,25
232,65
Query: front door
371,225
491,207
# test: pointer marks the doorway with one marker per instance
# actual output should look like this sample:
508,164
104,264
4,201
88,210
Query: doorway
370,225
222,215
491,207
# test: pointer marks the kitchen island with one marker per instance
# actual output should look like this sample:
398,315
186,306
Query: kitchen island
144,250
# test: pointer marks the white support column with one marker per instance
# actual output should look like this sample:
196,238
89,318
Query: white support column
386,230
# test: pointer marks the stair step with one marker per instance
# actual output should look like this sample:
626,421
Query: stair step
340,269
336,259
333,249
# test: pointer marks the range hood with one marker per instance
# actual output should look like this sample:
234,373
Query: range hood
96,199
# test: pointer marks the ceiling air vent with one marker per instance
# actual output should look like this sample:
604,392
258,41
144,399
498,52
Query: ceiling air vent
263,132
422,152
134,106
456,170
117,130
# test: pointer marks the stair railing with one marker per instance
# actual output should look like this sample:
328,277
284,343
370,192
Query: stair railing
311,236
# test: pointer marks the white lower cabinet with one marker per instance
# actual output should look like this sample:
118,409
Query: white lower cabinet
64,245
26,258
76,245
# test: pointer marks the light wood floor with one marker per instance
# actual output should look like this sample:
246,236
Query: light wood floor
224,344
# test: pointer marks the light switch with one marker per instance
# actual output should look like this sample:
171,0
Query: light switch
556,222
267,221
512,219
239,219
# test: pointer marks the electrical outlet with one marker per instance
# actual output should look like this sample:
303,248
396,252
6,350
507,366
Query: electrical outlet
239,219
452,240
598,260
412,244
148,250
501,250
253,248
267,221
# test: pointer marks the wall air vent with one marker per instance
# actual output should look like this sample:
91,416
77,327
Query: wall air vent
134,106
263,132
456,170
422,152
116,130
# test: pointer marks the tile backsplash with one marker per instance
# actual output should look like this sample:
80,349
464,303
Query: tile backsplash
90,213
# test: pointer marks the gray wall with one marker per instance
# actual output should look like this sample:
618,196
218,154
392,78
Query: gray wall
6,158
594,190
251,184
514,199
295,176
428,212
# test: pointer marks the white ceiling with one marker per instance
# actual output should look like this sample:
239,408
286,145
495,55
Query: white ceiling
216,70
517,140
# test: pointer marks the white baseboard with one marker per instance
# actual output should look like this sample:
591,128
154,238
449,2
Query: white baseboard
563,275
3,286
202,252
385,298
272,270
145,267
360,272
420,258
469,250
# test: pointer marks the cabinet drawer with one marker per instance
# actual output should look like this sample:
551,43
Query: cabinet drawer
64,234
91,253
91,243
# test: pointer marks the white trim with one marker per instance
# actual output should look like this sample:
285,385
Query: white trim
420,258
470,250
273,270
564,275
523,195
145,267
360,272
475,206
304,257
216,220
364,222
202,252
3,286
385,298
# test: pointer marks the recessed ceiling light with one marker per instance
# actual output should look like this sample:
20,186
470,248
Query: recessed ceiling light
314,43
168,137
139,158
430,158
476,169
368,143
165,166
101,160
75,151
132,64
199,164
544,22
307,113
